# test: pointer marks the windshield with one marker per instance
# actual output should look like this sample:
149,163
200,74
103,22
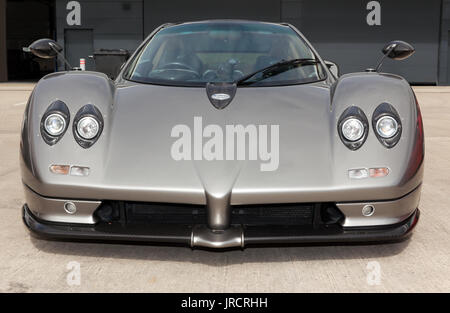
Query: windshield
198,53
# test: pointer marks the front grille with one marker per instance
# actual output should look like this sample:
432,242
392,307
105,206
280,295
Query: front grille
254,215
273,214
164,213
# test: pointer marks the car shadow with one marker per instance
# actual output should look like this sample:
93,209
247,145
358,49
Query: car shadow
220,257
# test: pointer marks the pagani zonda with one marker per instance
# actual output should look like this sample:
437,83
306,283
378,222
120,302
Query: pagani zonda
223,134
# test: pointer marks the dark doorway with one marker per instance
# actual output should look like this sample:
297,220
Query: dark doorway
26,21
448,59
79,44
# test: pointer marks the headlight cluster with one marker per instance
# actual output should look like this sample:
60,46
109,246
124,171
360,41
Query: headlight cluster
87,124
353,126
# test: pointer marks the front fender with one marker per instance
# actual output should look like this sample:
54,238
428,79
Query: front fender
368,91
75,89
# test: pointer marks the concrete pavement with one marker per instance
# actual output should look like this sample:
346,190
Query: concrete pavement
421,264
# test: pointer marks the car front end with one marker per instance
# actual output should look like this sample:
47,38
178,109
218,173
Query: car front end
154,156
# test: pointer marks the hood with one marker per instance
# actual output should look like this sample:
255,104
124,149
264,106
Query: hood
147,120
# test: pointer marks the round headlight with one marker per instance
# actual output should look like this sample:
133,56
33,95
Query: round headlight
88,127
352,129
387,127
55,124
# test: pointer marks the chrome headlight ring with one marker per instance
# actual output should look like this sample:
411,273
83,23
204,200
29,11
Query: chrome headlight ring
54,122
387,114
386,127
87,125
353,128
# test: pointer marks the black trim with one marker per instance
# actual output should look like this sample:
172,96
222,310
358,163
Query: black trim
398,50
353,112
167,83
181,234
56,107
386,109
85,111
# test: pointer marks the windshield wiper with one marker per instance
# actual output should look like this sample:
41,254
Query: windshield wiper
276,69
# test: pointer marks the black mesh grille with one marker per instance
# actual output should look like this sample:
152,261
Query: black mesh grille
170,213
164,213
282,214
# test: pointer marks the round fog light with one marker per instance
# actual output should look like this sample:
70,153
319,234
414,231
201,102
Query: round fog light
70,207
368,210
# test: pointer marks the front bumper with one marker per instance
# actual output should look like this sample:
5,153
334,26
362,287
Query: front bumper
291,224
387,212
235,236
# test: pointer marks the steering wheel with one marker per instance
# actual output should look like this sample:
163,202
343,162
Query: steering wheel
178,66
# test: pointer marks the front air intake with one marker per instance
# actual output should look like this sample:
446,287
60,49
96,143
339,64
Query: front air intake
291,214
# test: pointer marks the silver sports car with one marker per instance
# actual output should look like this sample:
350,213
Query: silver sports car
223,134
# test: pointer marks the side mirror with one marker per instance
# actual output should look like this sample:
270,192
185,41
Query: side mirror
45,48
398,50
333,67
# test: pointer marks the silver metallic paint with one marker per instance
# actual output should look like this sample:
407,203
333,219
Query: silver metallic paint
203,236
131,160
386,212
51,209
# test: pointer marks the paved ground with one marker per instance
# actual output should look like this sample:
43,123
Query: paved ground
421,264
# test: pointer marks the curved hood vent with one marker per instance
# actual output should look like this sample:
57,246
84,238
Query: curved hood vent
220,94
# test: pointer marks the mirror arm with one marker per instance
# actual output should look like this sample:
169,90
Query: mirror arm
60,54
380,63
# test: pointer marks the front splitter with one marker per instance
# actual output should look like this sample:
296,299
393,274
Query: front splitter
171,234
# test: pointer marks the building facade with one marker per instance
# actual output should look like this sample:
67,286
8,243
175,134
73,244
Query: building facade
349,32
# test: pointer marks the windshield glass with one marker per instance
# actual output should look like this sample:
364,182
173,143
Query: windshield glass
197,53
